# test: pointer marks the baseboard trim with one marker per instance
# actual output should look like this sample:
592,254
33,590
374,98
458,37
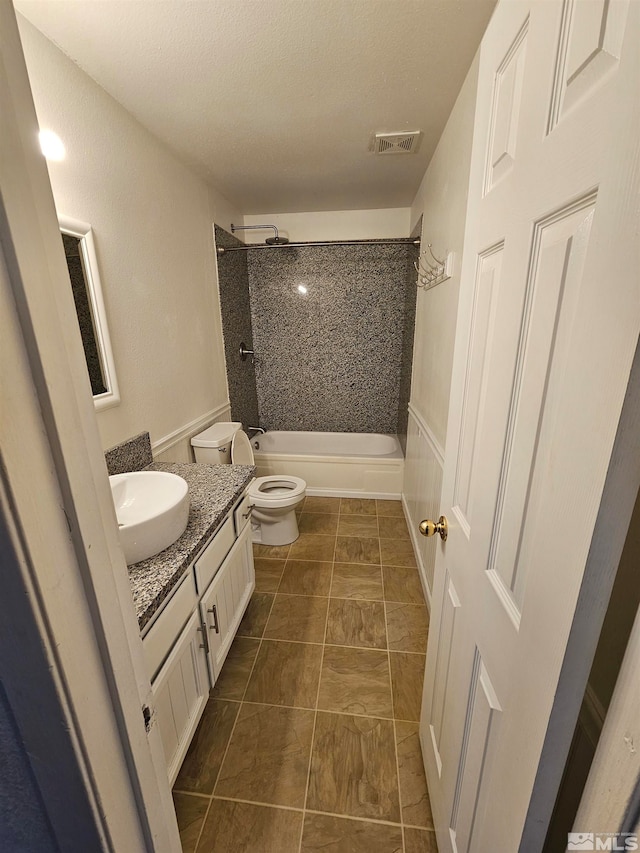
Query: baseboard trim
351,493
436,447
186,431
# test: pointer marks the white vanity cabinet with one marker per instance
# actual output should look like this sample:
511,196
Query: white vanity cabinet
181,690
189,639
225,600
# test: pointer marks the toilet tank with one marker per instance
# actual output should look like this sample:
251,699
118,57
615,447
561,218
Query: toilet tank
213,446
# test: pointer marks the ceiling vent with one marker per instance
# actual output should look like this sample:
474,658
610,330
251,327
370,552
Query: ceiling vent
406,142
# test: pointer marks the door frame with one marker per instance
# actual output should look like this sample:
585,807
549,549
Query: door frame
614,517
57,508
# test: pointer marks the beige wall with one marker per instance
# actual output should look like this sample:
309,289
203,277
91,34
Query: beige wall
152,221
333,225
442,202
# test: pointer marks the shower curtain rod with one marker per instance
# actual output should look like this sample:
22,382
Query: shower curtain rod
402,242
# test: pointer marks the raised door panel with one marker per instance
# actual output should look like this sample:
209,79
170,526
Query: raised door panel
181,690
558,253
437,687
209,618
215,618
505,111
483,712
486,299
226,599
589,49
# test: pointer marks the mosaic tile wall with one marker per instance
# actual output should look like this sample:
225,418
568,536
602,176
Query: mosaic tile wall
236,326
330,358
410,299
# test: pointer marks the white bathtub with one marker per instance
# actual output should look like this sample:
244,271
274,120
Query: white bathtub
348,464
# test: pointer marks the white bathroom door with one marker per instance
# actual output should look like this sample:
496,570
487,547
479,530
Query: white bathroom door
547,328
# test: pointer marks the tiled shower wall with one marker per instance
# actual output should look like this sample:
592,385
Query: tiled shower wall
337,356
233,282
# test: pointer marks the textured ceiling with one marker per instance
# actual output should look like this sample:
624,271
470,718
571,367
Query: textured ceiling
274,101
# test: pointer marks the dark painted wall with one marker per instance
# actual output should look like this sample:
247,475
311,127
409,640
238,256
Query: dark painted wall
24,825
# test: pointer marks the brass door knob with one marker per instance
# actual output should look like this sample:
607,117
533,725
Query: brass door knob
430,528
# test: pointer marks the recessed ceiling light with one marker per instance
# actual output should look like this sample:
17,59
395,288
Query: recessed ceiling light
302,289
52,146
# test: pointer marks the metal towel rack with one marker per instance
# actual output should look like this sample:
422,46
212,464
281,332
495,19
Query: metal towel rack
432,271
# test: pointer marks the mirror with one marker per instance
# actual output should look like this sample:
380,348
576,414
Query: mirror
82,263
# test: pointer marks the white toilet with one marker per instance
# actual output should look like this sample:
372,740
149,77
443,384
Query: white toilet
274,499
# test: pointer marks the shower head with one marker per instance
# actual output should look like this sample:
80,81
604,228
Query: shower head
276,240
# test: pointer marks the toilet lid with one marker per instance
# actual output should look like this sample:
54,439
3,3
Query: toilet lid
241,450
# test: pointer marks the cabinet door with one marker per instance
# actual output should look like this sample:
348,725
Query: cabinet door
181,690
226,599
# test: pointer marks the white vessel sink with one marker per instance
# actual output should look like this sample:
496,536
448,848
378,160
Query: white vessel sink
152,508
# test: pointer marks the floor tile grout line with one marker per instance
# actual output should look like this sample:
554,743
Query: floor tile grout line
395,739
337,645
279,582
235,722
376,820
191,794
324,711
345,597
315,713
324,644
339,815
343,562
204,821
261,803
262,638
297,809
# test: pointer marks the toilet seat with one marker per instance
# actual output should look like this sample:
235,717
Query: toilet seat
274,498
276,490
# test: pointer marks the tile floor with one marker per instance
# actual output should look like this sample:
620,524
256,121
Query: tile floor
309,741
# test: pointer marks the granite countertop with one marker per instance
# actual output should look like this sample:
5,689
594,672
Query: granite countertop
213,490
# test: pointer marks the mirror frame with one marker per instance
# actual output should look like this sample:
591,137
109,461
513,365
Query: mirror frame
84,232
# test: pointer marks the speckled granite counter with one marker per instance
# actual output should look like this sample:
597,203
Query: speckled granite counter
213,490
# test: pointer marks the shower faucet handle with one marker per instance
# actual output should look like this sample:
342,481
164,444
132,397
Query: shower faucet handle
244,352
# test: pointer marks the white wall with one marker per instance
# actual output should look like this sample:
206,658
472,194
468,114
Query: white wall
152,220
442,202
332,225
